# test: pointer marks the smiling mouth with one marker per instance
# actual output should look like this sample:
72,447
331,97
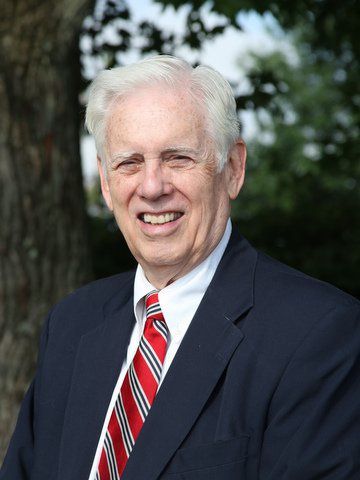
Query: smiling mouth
160,219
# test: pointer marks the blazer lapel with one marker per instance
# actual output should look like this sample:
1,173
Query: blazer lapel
202,357
98,362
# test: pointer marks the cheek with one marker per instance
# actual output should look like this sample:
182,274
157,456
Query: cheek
217,205
121,193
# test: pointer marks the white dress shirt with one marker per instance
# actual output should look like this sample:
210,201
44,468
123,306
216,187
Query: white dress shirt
179,302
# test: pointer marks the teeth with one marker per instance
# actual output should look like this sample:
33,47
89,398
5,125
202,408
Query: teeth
160,219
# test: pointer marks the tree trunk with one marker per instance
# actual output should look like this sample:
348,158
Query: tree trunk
43,234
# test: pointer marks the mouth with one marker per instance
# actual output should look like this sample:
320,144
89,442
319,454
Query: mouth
160,218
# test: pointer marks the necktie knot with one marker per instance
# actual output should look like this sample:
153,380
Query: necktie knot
153,309
154,316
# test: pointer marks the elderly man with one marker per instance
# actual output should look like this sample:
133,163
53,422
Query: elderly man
212,361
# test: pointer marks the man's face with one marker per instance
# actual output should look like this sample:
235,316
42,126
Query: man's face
162,183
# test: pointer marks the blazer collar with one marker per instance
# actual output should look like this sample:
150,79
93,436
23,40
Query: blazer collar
233,284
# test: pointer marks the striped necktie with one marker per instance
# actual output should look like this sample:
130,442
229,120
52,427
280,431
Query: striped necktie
136,395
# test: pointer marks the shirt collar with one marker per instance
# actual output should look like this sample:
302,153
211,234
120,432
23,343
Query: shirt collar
181,298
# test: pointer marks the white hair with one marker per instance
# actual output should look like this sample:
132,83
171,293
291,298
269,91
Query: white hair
208,88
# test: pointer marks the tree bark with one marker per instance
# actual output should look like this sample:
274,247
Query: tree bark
44,250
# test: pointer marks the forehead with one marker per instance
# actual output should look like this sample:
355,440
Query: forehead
160,114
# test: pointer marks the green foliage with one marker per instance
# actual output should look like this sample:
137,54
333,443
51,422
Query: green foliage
108,248
301,199
147,37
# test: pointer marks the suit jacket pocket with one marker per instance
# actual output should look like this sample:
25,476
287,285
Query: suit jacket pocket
208,456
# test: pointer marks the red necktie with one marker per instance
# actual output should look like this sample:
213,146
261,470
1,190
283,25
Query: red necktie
137,393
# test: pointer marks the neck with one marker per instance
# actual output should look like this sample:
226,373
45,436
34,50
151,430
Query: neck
161,277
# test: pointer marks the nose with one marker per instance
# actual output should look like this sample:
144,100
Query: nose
154,182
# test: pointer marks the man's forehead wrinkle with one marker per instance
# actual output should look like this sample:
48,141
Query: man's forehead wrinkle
170,149
173,149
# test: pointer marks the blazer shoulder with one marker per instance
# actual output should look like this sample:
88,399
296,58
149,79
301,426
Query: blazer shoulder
289,305
83,308
99,291
294,286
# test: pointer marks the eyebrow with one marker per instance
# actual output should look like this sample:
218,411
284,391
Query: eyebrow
181,148
176,148
123,156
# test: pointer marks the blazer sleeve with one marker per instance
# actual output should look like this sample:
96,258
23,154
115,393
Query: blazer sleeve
313,427
20,455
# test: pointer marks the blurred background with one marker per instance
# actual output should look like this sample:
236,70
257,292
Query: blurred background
294,71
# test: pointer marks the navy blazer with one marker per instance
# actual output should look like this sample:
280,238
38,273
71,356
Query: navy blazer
265,385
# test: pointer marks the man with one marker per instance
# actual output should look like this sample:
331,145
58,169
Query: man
213,361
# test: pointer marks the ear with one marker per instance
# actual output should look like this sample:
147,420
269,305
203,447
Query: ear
236,168
105,190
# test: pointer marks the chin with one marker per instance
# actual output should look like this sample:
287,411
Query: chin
159,262
162,259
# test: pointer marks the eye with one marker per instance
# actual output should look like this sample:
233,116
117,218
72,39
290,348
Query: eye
179,161
129,165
